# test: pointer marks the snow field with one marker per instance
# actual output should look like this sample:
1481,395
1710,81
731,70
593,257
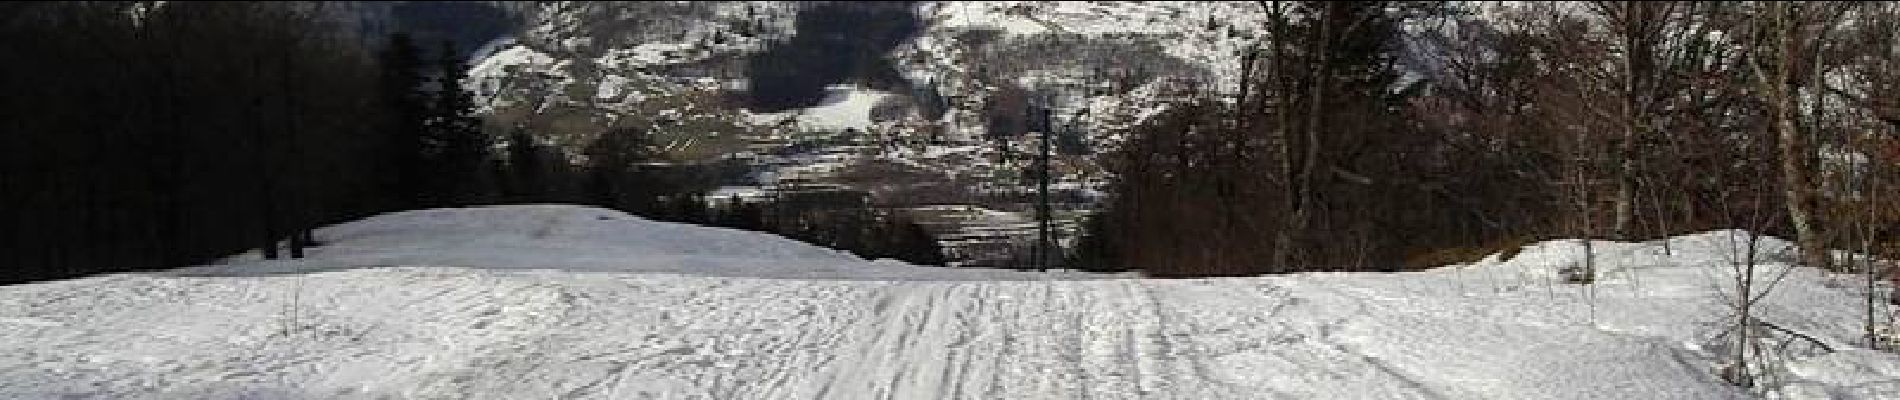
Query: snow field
573,302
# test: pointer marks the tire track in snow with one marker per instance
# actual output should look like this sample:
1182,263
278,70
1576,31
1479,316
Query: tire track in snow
456,333
901,347
1141,337
1182,348
991,340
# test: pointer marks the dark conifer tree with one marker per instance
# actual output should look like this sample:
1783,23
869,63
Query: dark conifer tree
528,174
460,151
613,160
916,245
402,94
224,116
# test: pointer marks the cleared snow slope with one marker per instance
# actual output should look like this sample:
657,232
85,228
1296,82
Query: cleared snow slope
559,301
844,107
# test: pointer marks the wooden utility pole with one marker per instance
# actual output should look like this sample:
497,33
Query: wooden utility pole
1045,233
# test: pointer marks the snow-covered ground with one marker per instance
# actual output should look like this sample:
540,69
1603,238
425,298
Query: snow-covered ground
562,301
844,107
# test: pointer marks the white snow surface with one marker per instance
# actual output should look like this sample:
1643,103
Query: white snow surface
546,301
844,107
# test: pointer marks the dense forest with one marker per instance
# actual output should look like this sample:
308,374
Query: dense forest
132,144
1622,120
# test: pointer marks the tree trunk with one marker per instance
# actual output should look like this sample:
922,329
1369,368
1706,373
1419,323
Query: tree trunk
296,208
1744,303
1302,217
1283,130
266,184
1797,186
1626,163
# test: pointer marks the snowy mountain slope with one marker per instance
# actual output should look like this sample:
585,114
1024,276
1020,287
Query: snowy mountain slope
577,239
1097,61
682,72
581,68
844,107
560,301
950,98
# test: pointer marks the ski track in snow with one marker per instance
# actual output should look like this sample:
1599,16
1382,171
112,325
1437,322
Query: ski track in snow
458,333
455,333
331,329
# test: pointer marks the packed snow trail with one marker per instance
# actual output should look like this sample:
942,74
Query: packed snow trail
570,302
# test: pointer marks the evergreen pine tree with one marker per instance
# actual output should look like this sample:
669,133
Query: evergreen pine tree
461,149
614,161
401,86
915,245
528,171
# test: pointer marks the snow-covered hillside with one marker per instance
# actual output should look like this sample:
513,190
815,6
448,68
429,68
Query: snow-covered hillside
949,98
844,107
624,55
561,301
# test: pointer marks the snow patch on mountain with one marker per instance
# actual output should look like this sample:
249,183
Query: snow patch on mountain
844,107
